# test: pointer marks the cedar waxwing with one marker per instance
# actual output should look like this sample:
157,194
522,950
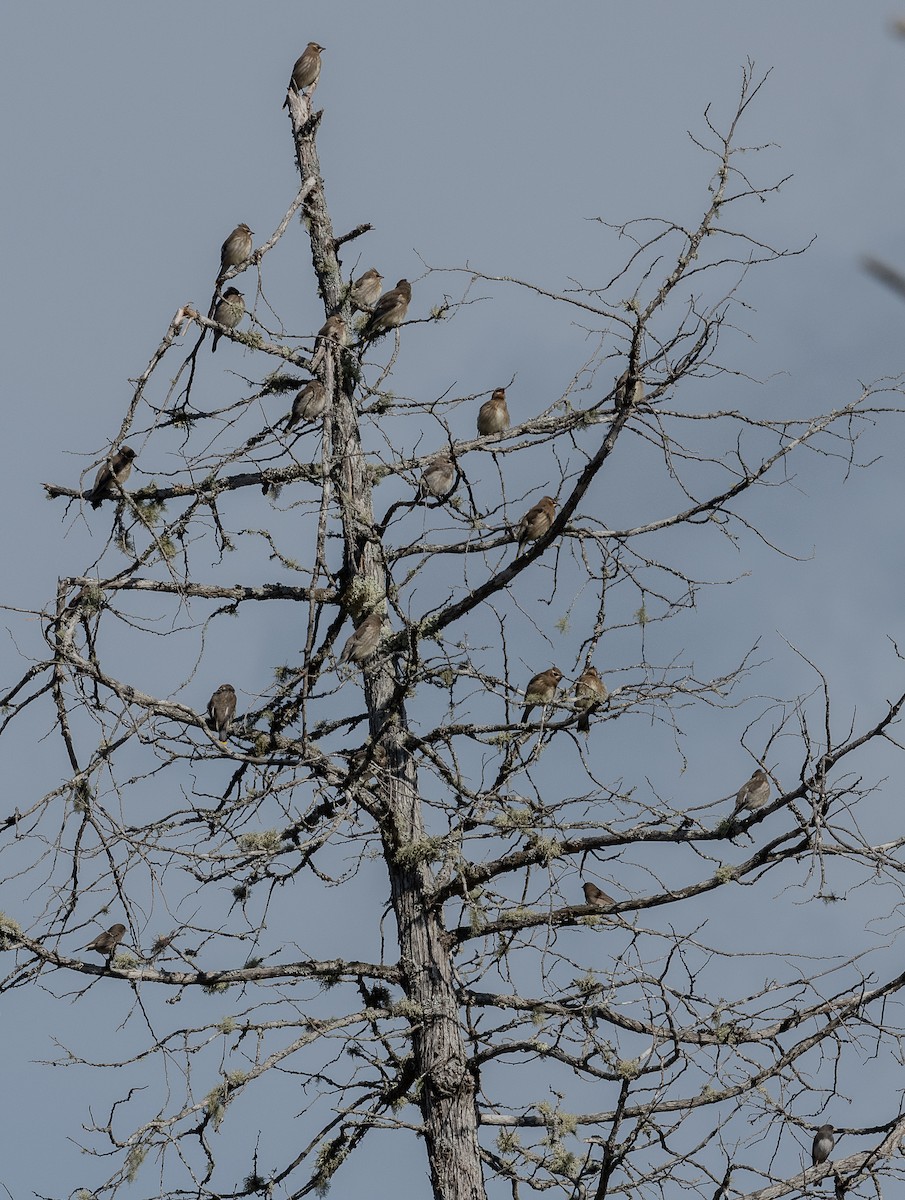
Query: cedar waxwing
333,332
753,794
306,70
309,403
237,248
363,642
365,291
368,758
620,398
389,311
106,943
439,477
536,521
493,415
541,690
596,896
590,693
115,470
221,708
229,312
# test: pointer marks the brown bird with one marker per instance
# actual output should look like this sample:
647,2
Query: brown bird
389,311
365,291
106,943
590,693
306,71
309,403
363,642
236,249
229,312
112,475
596,896
541,690
493,415
368,758
753,794
621,396
333,332
439,477
221,708
823,1145
536,521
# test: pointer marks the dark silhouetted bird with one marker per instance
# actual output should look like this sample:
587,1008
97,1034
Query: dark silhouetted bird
229,312
106,943
237,248
753,794
596,896
221,708
309,403
536,521
389,311
363,642
493,415
439,477
590,693
116,470
365,291
541,690
621,396
823,1145
306,71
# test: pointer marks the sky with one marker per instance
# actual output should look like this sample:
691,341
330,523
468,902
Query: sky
137,136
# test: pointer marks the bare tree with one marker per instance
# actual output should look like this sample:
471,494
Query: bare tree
431,581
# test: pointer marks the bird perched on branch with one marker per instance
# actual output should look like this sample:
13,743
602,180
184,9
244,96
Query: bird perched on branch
365,291
333,332
389,311
106,943
111,476
621,397
596,896
221,708
541,690
590,693
363,642
306,71
536,521
309,403
368,758
823,1145
493,415
753,794
229,312
439,476
236,249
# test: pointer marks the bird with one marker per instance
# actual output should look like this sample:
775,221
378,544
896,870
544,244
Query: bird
333,332
309,403
236,249
823,1145
536,521
115,471
596,896
367,758
493,415
389,311
753,794
306,71
590,693
541,690
621,397
363,642
105,943
365,291
439,476
229,312
221,708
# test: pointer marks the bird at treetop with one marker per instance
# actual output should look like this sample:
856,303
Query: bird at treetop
621,396
753,794
115,470
229,312
221,708
363,642
493,415
536,521
596,896
105,943
309,403
389,311
306,70
590,693
541,689
823,1145
237,248
439,476
365,291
